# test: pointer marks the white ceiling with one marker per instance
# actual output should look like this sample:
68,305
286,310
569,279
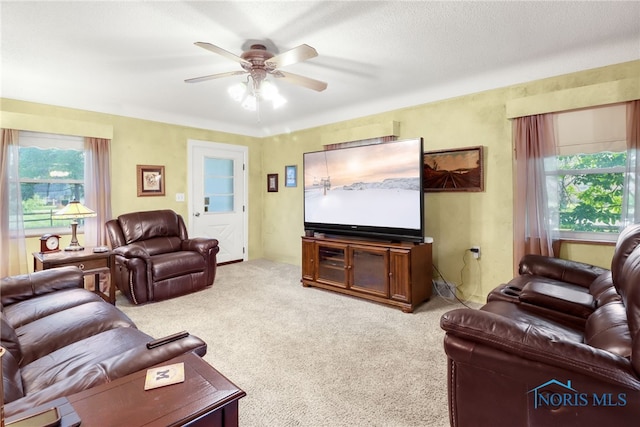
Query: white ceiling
131,57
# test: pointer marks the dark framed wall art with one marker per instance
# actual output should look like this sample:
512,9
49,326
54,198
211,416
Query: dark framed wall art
272,182
151,180
459,169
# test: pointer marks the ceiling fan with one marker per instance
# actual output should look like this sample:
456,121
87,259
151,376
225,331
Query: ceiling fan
258,62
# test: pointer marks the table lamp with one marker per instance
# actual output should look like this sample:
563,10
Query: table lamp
73,211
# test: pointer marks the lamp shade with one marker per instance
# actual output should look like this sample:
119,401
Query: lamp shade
74,209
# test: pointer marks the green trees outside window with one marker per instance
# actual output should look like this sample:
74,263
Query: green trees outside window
591,188
49,179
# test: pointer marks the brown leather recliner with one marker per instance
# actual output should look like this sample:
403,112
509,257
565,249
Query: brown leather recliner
567,290
155,259
513,364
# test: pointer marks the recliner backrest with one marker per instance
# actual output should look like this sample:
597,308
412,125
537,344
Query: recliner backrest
629,288
158,231
139,226
628,240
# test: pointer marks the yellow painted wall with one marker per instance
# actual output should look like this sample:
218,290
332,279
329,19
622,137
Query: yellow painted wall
138,141
456,221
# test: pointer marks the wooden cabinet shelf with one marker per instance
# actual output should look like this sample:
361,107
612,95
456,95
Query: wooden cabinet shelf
395,274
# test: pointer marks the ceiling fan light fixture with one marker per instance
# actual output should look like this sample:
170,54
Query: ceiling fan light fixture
238,91
278,101
250,103
249,93
268,90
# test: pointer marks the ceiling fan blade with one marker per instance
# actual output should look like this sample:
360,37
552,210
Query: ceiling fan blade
220,51
297,54
214,76
296,79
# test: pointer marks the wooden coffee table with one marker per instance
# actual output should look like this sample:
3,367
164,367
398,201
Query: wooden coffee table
205,398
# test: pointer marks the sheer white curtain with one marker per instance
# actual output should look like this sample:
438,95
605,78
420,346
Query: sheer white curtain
536,215
13,252
97,189
97,194
631,198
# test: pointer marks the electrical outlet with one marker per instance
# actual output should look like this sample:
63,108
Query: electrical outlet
475,250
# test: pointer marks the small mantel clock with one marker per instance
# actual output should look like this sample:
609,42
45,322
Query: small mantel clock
49,243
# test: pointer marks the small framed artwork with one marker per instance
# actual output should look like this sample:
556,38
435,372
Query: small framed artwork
454,170
151,180
291,176
272,182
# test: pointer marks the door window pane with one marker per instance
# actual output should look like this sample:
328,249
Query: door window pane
218,185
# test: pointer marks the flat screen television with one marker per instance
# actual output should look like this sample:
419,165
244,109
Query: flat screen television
370,191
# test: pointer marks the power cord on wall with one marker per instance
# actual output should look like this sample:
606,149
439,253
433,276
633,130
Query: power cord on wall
476,254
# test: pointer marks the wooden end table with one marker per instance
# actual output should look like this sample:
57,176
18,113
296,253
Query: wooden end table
205,398
91,263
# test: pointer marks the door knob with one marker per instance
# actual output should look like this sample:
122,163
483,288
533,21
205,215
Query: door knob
196,214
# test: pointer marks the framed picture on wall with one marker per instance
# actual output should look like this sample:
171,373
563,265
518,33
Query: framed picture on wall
454,170
291,176
151,180
272,182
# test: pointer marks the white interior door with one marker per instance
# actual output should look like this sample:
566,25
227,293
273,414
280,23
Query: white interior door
217,198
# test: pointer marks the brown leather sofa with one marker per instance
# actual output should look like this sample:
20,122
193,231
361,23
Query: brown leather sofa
61,339
156,260
565,289
569,358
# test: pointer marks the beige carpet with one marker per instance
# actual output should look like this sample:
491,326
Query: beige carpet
308,357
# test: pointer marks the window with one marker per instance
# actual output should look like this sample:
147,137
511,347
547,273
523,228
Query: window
588,176
51,171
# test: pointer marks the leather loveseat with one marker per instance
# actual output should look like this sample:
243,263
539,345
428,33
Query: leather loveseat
156,260
60,339
566,354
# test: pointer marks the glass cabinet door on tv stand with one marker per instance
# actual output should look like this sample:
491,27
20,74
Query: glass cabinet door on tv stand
369,268
332,264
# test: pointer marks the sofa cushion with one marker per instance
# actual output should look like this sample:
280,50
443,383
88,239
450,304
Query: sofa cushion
160,245
607,328
27,311
9,338
11,378
60,329
91,377
26,286
603,290
80,356
174,264
516,312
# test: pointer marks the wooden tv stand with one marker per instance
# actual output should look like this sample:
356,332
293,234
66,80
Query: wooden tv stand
395,274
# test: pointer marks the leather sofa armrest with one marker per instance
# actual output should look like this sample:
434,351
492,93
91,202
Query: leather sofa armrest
559,298
200,244
529,342
141,357
575,272
132,250
14,289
